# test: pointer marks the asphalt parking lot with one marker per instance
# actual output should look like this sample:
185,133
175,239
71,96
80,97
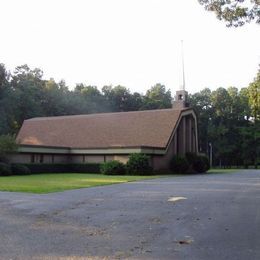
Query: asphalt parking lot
214,216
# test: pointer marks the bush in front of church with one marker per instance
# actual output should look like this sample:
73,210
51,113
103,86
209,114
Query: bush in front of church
201,164
19,169
179,165
191,163
139,164
113,168
5,169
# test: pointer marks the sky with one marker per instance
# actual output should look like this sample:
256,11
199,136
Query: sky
134,43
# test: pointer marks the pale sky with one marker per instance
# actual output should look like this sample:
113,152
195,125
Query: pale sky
134,43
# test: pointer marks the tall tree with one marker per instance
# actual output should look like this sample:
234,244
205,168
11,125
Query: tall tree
29,92
118,97
234,12
254,96
254,101
54,99
202,104
92,99
7,103
7,145
157,97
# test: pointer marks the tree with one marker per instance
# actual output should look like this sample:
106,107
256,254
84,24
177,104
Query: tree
7,145
7,103
254,102
157,97
91,99
254,96
54,99
224,121
244,103
119,98
202,104
250,143
28,87
234,12
4,76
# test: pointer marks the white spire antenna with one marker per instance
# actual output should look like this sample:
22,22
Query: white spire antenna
183,73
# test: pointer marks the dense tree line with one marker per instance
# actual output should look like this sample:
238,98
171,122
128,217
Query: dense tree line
25,94
229,121
228,118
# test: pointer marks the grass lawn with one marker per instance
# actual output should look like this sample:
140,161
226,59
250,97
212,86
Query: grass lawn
45,183
223,170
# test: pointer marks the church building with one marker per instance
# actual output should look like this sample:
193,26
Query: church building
98,138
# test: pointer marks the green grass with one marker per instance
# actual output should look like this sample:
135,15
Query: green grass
212,171
45,183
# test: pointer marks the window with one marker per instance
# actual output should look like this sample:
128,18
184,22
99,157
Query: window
32,158
41,158
180,97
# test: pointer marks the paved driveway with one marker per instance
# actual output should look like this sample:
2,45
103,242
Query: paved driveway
219,219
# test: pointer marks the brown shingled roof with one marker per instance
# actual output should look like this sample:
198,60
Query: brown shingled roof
151,128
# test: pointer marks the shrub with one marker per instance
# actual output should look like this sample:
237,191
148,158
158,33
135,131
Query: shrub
48,167
201,164
19,169
113,168
5,169
85,167
63,167
191,157
179,164
138,164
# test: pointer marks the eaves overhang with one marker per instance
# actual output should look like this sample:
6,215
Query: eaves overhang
90,151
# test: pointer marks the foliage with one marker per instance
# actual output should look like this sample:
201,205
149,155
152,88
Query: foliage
7,145
19,169
85,167
201,164
25,94
138,164
179,165
227,118
191,157
63,167
198,163
157,97
5,169
113,168
254,96
235,12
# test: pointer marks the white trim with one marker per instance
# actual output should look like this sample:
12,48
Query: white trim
101,151
31,149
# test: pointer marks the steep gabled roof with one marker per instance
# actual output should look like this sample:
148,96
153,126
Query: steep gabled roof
151,128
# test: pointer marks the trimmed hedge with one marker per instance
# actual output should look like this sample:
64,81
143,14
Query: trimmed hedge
180,164
113,168
63,168
5,169
86,167
19,169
